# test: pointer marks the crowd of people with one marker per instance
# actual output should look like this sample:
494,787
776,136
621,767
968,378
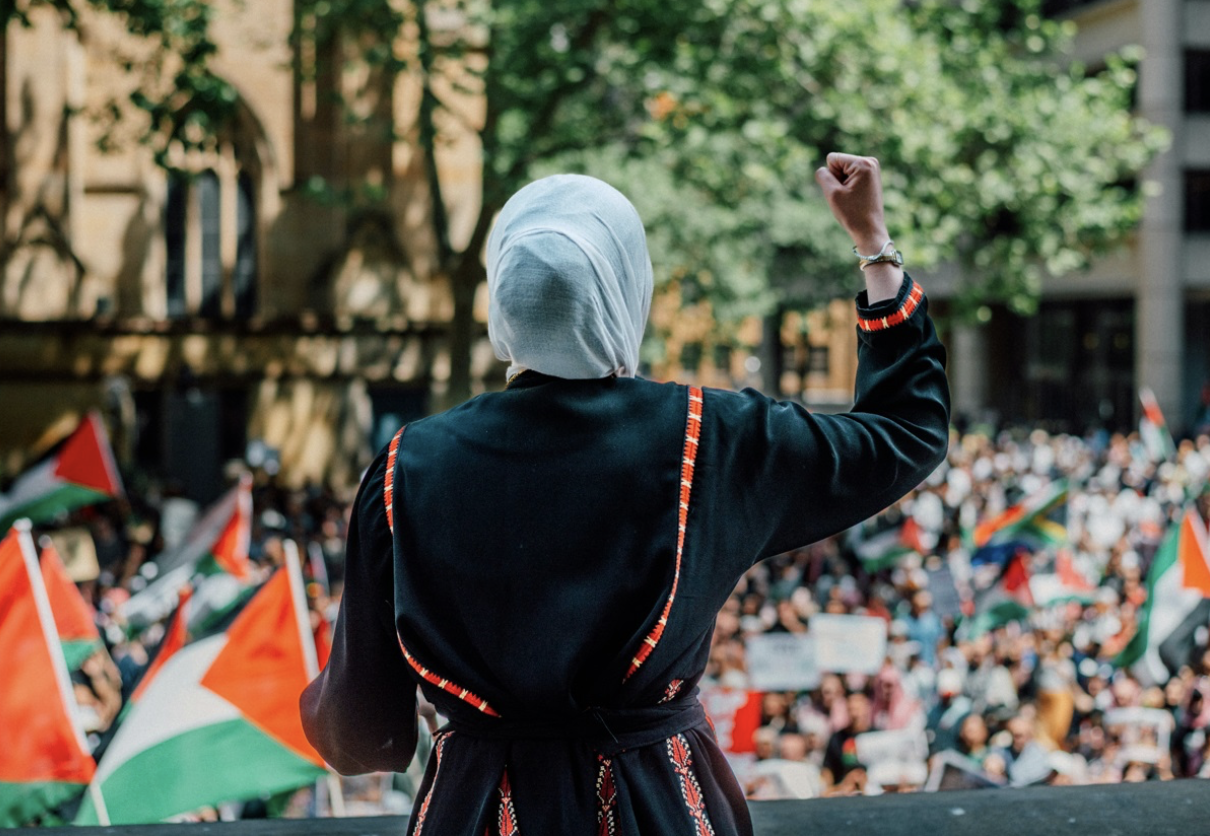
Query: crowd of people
1040,698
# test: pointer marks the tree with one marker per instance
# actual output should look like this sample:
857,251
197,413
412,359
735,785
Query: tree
1000,154
712,115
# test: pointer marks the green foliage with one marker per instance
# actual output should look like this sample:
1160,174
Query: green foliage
998,153
184,103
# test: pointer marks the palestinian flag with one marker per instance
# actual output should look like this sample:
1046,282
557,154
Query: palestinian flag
217,545
1027,525
1195,568
174,639
1064,584
1176,605
883,549
1153,429
1007,599
80,472
44,760
219,721
74,622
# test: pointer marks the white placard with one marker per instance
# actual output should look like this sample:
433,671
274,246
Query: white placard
849,643
782,662
900,746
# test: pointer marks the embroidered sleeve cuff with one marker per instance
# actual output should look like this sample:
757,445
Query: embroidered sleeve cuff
892,312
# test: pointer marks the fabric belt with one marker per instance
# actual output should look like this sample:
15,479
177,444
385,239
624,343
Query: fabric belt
608,730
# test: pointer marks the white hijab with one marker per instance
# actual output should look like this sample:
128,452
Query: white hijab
569,280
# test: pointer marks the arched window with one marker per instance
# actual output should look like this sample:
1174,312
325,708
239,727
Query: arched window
210,237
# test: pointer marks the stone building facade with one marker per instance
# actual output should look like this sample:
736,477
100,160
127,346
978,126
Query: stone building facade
232,302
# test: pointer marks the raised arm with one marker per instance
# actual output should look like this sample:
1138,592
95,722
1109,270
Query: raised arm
360,712
790,477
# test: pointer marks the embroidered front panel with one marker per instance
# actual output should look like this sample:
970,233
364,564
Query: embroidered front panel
691,791
506,820
693,432
674,688
445,685
607,798
388,484
910,304
424,804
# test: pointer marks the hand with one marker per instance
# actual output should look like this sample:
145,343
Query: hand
852,186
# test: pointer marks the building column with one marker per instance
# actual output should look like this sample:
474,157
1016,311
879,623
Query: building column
1160,328
968,372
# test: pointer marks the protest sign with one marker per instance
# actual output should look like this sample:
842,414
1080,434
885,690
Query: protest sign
899,745
782,662
848,643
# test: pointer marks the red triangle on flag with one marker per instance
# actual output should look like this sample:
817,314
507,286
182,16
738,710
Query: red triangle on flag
174,640
73,617
41,741
262,670
1016,579
1191,552
231,548
86,459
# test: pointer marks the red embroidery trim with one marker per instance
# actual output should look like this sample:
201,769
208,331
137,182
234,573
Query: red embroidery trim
388,491
607,798
507,819
388,484
424,805
682,761
445,685
693,431
674,688
914,298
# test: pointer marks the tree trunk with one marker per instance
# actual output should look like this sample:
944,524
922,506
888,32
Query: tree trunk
464,281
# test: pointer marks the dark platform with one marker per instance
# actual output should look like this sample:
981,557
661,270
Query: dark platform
1172,808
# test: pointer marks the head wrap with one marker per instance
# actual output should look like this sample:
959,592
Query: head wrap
569,280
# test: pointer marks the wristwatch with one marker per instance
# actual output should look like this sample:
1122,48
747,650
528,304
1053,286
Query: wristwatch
888,253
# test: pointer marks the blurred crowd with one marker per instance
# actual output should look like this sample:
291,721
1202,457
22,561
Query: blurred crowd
1034,700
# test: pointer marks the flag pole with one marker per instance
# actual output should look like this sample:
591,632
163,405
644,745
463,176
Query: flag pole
310,658
47,619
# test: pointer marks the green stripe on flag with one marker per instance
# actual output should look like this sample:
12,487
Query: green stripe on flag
65,497
227,761
1166,558
22,804
77,651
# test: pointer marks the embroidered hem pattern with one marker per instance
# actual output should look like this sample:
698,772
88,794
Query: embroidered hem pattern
424,805
506,820
607,798
691,791
693,432
910,304
388,496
